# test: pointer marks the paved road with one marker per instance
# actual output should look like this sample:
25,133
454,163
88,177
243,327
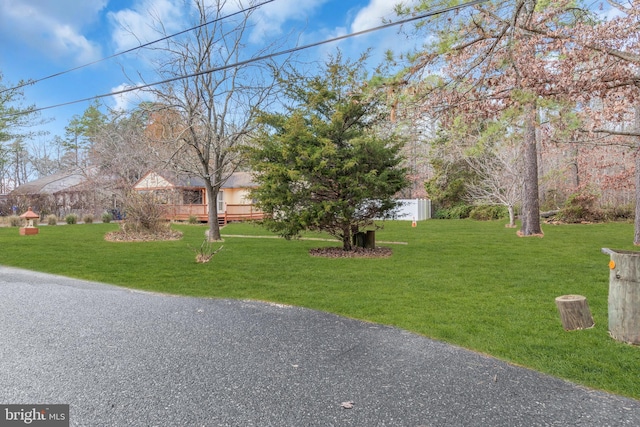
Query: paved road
125,358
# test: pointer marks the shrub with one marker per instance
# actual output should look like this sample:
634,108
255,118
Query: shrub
580,207
455,212
193,219
489,212
52,220
206,252
619,212
71,219
107,217
144,214
87,219
16,221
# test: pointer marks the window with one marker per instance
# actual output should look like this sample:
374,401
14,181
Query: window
220,201
192,197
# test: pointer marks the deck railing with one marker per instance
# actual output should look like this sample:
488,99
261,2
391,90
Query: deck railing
242,213
233,212
183,212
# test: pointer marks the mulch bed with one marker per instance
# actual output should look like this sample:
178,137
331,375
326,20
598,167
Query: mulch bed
129,236
338,252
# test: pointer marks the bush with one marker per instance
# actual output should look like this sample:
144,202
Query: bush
71,219
619,213
206,252
580,207
144,214
16,221
87,219
455,212
107,217
489,212
52,220
193,219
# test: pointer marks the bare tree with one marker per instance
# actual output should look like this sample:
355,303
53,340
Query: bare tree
211,112
121,149
499,178
44,160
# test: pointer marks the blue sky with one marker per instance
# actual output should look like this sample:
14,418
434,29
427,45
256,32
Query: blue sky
42,37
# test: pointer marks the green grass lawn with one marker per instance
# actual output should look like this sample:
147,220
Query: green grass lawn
474,284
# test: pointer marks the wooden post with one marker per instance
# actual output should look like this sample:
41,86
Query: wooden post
624,295
370,240
359,239
574,312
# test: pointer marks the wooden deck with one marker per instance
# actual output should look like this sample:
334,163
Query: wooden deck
233,213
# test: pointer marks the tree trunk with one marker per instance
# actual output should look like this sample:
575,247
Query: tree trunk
212,197
512,216
636,222
574,312
530,201
636,237
346,238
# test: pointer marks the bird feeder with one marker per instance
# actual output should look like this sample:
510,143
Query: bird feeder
30,229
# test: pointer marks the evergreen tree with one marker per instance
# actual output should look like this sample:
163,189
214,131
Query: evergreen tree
325,165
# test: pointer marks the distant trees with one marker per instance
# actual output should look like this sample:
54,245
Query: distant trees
535,66
598,70
478,64
15,119
82,131
324,163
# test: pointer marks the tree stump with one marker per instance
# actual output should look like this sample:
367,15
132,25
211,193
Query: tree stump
574,312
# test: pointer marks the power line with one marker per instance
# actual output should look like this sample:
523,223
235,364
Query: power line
33,82
260,58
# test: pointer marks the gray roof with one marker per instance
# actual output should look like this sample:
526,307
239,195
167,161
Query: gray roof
240,180
52,184
236,180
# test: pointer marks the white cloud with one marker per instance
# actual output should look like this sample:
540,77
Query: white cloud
54,28
372,15
268,20
128,100
140,23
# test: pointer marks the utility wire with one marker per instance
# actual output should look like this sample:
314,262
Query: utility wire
260,58
33,82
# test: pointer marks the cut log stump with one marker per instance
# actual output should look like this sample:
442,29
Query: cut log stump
574,312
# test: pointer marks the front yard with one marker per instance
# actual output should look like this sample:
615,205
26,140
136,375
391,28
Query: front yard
473,284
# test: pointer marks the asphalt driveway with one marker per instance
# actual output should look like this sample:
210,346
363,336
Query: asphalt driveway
125,358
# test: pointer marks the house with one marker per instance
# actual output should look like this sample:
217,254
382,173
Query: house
184,196
61,193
